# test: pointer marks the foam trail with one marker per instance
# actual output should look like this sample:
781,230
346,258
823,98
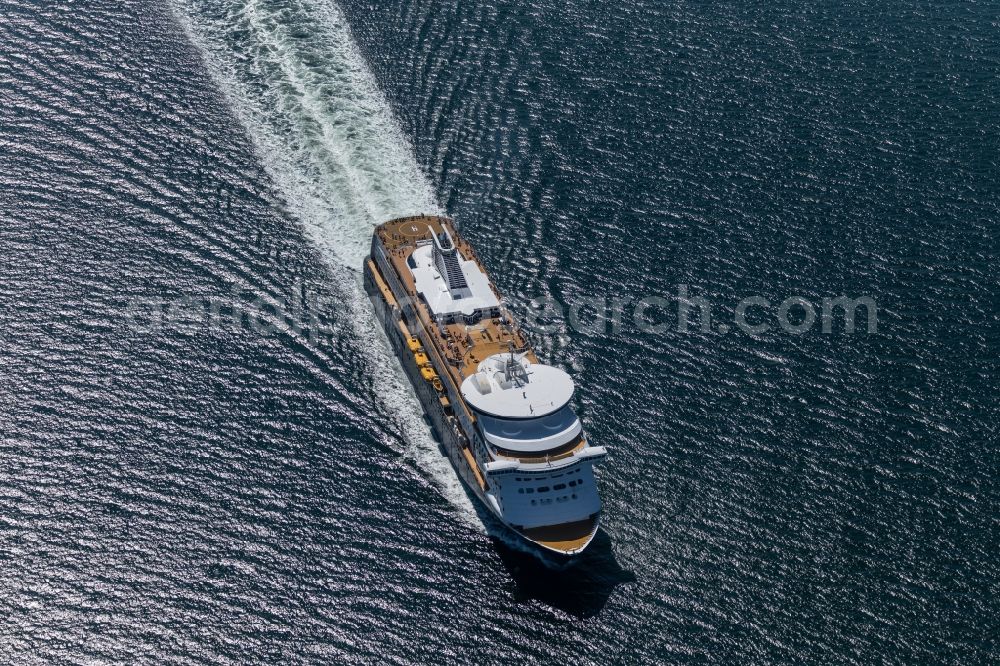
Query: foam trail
293,76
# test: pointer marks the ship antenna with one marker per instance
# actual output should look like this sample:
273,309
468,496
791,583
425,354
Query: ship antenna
515,371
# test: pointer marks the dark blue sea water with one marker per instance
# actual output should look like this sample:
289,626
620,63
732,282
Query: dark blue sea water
205,491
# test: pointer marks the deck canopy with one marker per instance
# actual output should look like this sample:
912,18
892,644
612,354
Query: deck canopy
452,286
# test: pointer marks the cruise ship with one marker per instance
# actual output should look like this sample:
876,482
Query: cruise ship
503,416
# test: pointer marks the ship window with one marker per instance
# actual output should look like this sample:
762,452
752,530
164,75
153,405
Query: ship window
572,483
543,489
531,490
520,491
574,495
559,486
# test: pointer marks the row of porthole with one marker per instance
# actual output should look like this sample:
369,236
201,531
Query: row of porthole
545,489
560,500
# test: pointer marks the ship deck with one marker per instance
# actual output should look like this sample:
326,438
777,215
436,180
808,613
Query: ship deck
461,346
549,456
566,538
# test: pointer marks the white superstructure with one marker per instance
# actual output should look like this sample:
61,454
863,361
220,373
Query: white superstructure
542,468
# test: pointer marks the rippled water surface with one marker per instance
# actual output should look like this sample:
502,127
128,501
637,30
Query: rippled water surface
265,493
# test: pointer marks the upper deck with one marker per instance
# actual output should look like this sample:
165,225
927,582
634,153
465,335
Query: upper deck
462,346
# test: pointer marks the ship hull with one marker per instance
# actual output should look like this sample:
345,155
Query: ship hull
446,431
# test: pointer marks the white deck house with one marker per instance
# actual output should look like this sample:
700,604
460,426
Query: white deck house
543,473
454,288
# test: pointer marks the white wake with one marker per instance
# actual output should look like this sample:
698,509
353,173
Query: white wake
293,76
